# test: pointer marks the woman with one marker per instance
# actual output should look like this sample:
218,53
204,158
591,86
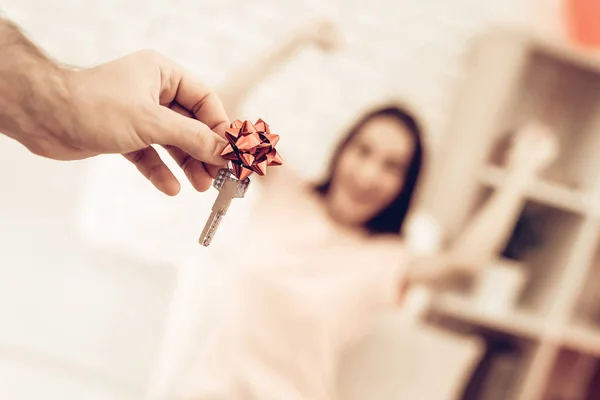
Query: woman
321,260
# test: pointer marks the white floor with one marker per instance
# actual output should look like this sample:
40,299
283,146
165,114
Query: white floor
74,323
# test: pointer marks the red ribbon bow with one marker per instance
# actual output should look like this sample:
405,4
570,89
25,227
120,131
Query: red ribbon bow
251,148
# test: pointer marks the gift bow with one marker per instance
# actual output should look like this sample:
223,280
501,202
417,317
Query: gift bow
251,148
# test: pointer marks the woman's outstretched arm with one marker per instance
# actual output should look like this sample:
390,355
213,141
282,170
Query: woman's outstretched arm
233,93
236,89
533,148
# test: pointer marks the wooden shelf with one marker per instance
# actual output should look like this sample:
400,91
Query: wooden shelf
465,309
547,193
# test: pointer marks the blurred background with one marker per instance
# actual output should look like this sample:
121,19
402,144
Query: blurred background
86,278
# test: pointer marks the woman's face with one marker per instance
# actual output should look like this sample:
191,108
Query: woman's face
371,171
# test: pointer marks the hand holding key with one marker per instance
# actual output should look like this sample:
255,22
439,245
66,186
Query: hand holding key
251,149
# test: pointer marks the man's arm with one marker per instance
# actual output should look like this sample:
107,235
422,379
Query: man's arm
125,107
34,95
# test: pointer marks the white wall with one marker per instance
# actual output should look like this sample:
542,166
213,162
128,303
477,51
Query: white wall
64,307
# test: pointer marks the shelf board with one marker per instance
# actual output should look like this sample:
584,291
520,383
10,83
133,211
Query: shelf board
465,309
547,193
583,337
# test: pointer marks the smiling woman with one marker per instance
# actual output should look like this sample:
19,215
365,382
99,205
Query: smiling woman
325,259
374,171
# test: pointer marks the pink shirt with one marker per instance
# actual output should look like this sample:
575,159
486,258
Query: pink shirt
300,291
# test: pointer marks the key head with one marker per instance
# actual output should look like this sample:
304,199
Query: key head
227,174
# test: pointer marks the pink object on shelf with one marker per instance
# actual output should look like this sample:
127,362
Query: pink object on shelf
583,21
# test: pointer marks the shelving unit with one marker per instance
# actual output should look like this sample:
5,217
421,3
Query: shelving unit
516,77
516,322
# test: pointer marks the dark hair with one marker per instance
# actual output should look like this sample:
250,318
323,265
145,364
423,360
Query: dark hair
391,218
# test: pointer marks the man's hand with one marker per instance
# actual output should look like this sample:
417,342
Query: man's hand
123,107
143,99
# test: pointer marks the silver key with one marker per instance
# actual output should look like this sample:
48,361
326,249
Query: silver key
229,187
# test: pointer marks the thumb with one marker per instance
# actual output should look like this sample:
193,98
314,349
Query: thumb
190,135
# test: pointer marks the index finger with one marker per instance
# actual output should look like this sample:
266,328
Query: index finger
181,86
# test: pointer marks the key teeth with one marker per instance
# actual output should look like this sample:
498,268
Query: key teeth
216,216
211,227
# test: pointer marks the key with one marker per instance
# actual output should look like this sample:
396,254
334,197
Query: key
229,187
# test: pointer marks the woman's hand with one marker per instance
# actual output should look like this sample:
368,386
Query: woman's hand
324,33
533,148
